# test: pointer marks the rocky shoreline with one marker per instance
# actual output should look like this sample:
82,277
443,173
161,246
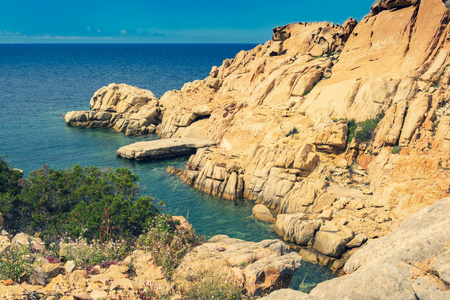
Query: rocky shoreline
254,269
338,133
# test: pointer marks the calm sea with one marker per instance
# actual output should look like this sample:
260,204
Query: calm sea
39,83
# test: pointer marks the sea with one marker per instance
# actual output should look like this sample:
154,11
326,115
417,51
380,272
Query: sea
41,82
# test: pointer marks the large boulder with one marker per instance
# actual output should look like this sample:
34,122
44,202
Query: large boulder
424,235
441,266
145,266
125,108
258,267
296,228
384,283
261,212
29,241
286,294
331,239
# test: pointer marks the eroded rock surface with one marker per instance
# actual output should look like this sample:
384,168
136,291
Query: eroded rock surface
126,108
162,148
412,262
263,266
292,122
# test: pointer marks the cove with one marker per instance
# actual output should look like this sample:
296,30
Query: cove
40,83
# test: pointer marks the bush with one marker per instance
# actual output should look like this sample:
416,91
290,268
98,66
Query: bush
363,131
16,263
292,132
213,283
93,253
167,245
10,187
396,150
89,202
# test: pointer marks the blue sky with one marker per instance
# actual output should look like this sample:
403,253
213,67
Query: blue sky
164,21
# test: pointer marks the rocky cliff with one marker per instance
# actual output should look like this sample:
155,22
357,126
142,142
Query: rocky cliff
342,131
325,123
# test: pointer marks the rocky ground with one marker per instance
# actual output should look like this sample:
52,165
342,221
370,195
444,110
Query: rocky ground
250,268
338,133
412,262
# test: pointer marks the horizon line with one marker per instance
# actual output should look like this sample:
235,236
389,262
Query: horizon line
137,43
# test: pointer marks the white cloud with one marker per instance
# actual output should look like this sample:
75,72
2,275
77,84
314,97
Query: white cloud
88,28
98,30
123,31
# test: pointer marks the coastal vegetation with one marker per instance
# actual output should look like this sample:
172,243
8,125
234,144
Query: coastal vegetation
94,219
363,131
79,202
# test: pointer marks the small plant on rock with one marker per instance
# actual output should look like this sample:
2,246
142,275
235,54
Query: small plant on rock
167,245
292,132
213,283
16,263
396,150
93,253
363,131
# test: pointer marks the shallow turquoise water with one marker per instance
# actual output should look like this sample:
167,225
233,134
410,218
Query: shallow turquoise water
39,83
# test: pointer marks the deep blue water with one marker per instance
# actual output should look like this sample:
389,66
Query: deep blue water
39,83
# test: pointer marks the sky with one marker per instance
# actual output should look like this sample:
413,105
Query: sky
163,21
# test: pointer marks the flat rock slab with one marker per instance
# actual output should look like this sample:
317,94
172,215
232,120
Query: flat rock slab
162,148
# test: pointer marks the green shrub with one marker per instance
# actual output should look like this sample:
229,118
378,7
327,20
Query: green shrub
86,253
16,263
396,150
363,131
10,187
89,203
167,245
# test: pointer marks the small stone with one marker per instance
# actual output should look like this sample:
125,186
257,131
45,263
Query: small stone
82,296
123,283
326,214
5,243
316,51
357,241
367,192
70,266
309,255
261,212
98,294
8,282
382,218
337,265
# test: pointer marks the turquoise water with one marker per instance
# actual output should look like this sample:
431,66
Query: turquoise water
39,83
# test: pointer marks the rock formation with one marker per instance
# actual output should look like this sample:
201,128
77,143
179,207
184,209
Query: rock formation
412,262
162,148
343,131
125,108
261,266
311,123
257,268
